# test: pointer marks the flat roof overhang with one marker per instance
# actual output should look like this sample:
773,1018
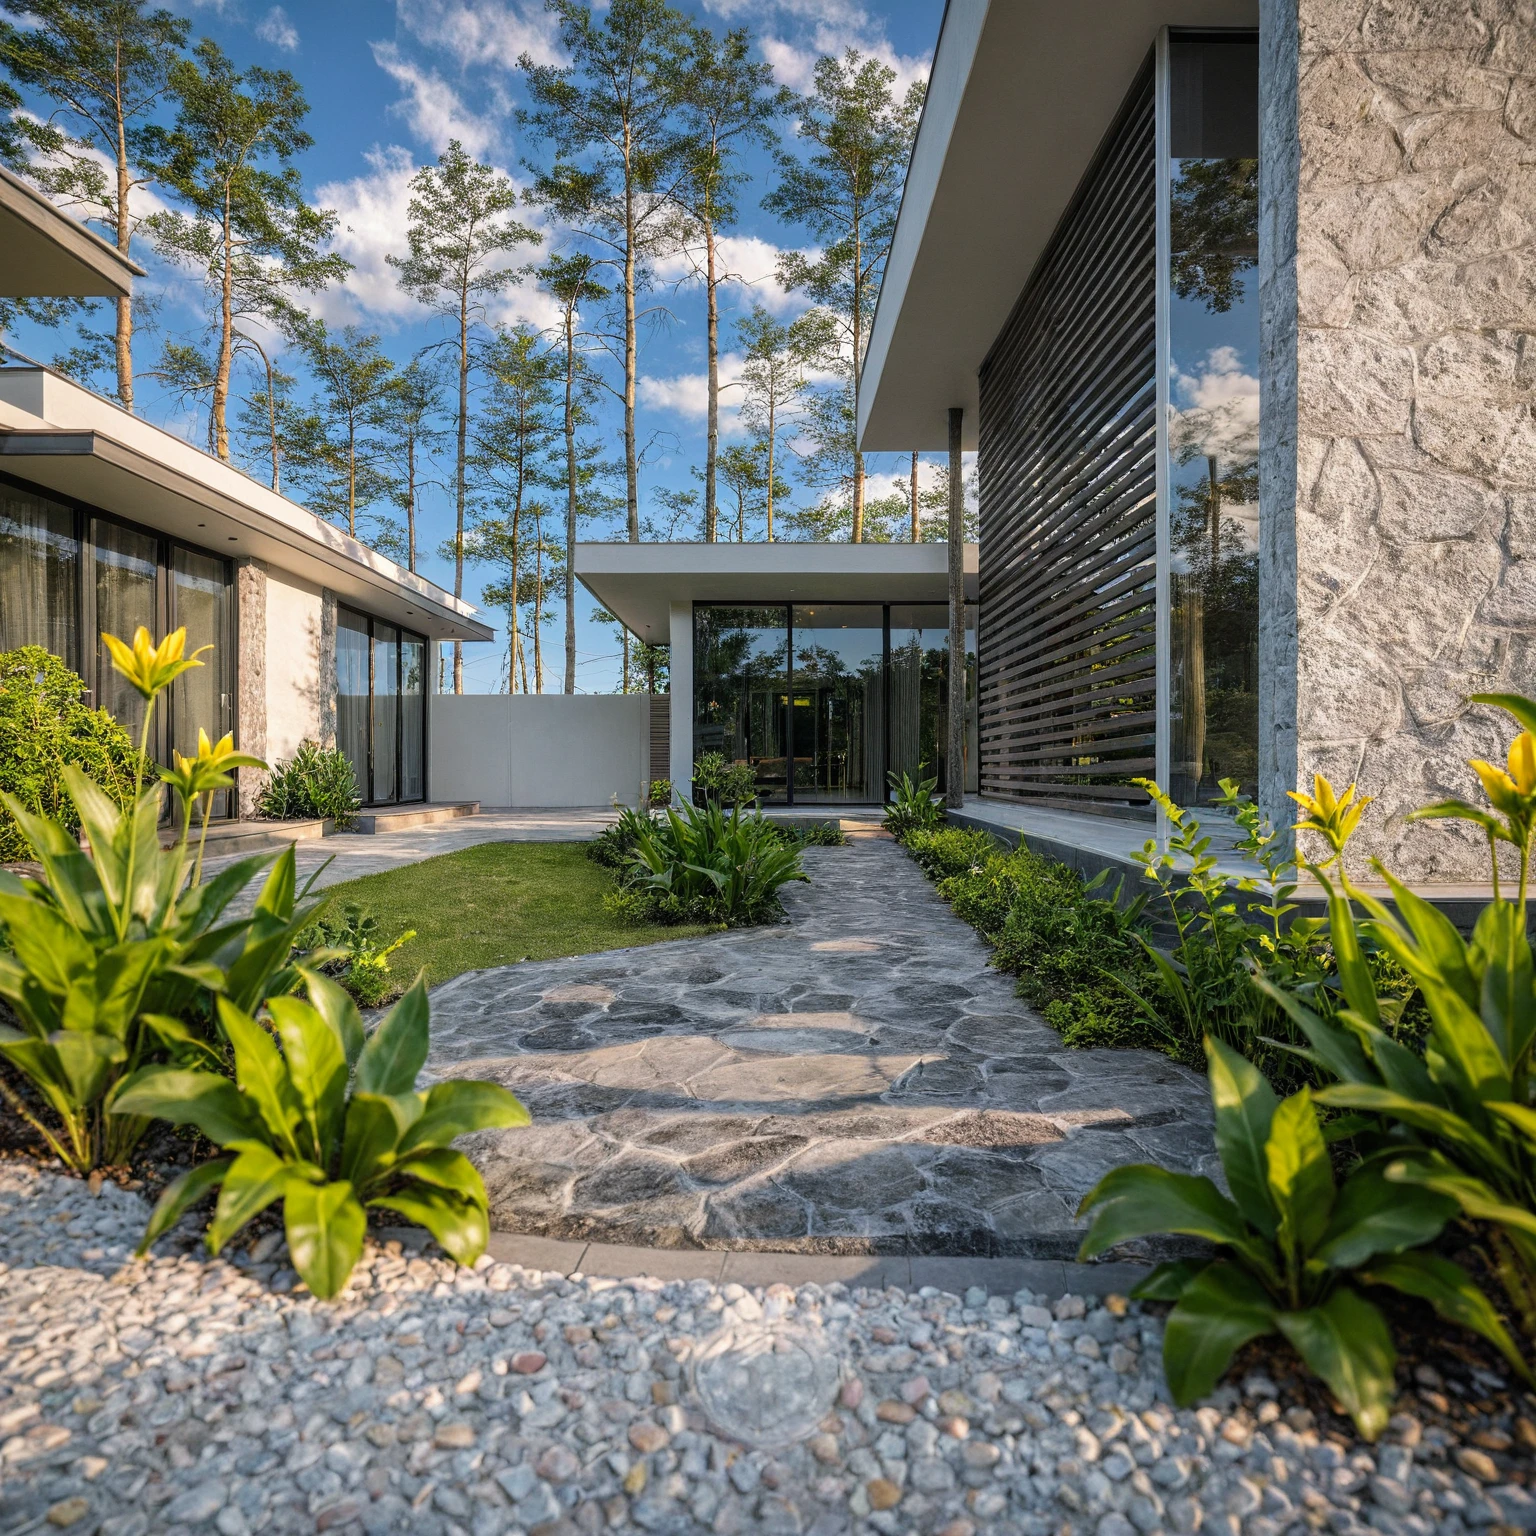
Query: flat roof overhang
92,467
638,583
46,254
1020,96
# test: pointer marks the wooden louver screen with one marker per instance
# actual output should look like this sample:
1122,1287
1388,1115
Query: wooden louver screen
1068,500
661,736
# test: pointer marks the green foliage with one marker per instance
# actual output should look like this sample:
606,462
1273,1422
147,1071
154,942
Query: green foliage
1290,1241
46,724
614,847
660,793
723,783
317,782
329,1122
354,953
820,835
701,865
914,809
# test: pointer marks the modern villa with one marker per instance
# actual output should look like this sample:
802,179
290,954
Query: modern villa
108,522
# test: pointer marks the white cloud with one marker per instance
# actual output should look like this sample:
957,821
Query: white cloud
794,62
489,32
747,265
687,394
275,28
432,108
1217,410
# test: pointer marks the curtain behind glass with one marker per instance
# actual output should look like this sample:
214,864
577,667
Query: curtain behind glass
413,717
838,686
920,692
124,589
39,575
386,711
352,694
203,696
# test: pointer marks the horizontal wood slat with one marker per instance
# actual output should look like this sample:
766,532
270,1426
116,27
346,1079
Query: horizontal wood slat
1068,500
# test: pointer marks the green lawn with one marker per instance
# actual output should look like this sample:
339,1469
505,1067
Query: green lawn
496,904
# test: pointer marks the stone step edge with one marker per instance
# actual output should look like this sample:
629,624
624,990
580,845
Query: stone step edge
908,1272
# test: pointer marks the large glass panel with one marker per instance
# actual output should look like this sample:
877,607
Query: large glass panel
413,717
202,696
386,711
352,694
124,588
1213,430
838,689
39,575
920,692
740,690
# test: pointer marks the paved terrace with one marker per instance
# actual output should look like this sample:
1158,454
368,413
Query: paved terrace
856,1080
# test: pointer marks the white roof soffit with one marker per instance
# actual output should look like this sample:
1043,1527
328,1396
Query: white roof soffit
146,475
638,583
46,254
1021,94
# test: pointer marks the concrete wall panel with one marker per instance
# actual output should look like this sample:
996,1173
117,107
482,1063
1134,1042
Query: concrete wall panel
298,685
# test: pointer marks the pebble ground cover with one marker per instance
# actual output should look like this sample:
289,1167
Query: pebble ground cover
189,1395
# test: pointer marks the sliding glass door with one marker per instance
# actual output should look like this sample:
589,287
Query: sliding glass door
381,707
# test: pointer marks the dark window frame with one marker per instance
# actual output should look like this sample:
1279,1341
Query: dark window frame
402,634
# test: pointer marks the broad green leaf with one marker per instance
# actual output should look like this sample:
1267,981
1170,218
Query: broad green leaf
1522,708
1333,1048
277,893
374,1126
105,828
265,947
1354,973
1451,1291
185,1096
1429,1118
459,1225
1477,1199
1345,1342
86,1061
262,1074
201,906
1300,1173
317,1071
1507,1003
50,948
255,1179
1518,1115
461,1105
338,1010
1168,1281
179,1196
446,1169
176,1035
1221,1309
325,1227
396,1051
1245,1105
1140,1200
1440,952
1376,1215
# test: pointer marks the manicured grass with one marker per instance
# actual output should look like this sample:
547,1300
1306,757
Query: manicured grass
496,904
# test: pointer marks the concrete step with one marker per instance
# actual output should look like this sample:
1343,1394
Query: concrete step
231,838
403,818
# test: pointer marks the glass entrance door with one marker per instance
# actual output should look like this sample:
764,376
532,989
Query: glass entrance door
381,713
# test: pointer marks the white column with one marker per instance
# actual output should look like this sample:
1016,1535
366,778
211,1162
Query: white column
682,699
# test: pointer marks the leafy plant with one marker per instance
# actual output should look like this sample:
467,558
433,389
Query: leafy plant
46,725
1293,1246
698,864
315,783
113,956
361,958
913,807
614,847
330,1123
660,793
721,783
817,835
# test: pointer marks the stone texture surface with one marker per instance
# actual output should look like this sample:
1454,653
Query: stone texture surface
1398,461
856,1080
251,677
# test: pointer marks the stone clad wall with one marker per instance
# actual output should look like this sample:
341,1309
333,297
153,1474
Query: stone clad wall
1398,463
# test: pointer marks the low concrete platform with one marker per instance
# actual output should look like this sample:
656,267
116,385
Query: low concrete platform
379,819
235,839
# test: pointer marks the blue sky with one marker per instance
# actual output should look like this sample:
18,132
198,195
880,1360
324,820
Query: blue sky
390,85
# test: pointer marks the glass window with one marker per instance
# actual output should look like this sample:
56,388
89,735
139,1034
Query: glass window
39,575
1213,429
413,717
920,693
126,568
386,711
352,648
838,688
202,696
741,698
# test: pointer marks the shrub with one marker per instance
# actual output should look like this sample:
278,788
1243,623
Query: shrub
45,725
660,794
330,1122
1289,1241
721,783
350,949
316,783
914,809
614,847
820,835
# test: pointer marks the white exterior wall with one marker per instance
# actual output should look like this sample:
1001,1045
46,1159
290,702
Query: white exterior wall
299,691
546,749
681,685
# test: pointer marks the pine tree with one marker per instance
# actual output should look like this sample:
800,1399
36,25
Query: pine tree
460,235
407,423
847,191
773,379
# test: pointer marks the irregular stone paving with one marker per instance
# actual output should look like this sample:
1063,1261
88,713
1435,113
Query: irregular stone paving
185,1396
854,1080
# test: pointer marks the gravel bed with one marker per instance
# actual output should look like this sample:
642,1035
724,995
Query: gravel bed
189,1395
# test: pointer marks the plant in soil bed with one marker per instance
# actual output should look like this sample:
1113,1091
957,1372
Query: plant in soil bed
330,1122
913,807
1294,1246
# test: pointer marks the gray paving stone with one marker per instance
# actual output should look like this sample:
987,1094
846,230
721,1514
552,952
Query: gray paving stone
856,1080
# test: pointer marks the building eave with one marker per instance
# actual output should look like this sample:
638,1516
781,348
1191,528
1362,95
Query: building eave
47,254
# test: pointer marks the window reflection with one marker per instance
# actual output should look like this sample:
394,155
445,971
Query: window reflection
839,702
741,699
1213,435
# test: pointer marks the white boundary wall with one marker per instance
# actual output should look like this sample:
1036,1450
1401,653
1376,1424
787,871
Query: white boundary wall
549,749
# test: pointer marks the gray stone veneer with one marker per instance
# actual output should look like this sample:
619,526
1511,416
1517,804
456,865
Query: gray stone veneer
251,677
1398,365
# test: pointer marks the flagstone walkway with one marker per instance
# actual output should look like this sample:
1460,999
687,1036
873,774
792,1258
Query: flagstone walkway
855,1080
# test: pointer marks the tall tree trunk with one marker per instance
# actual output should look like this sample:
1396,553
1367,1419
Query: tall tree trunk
713,435
624,641
858,336
123,335
458,480
522,652
352,480
226,345
410,502
514,638
631,354
538,604
771,440
570,501
917,522
277,478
